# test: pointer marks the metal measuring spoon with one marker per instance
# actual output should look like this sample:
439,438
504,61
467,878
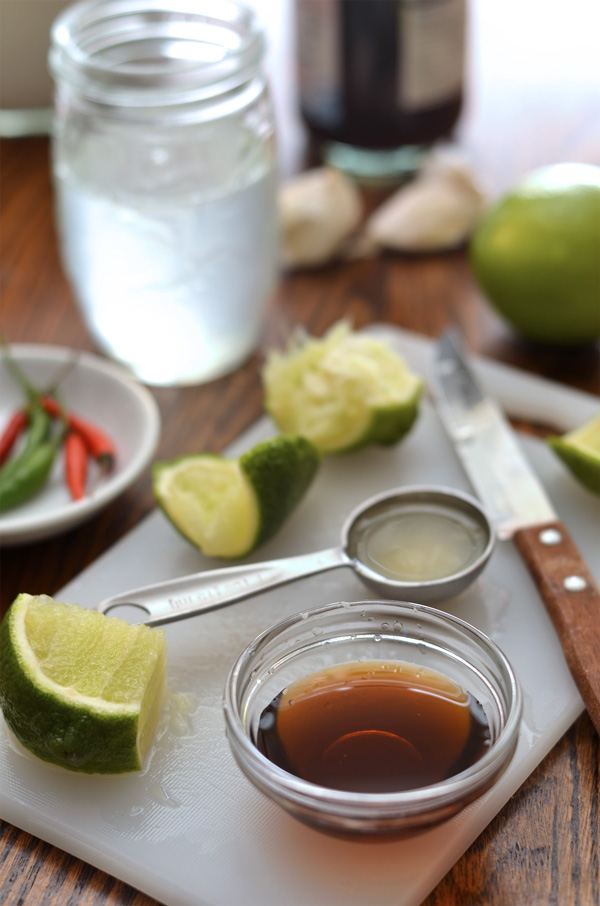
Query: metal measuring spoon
176,599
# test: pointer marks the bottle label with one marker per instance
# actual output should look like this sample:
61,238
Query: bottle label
431,40
319,38
370,58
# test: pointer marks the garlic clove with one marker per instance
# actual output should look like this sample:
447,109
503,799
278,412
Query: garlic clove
426,216
319,210
450,163
437,211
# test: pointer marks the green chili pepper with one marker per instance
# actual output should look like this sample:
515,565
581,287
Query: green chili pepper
39,428
24,475
37,432
28,477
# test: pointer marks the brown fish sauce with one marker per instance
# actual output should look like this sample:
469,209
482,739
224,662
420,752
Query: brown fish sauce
374,727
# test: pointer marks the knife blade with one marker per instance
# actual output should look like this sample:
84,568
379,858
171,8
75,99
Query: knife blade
521,512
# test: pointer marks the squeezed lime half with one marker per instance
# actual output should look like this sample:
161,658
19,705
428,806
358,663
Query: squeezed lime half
344,391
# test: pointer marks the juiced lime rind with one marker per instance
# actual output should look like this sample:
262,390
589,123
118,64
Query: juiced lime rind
579,450
62,726
227,507
389,425
208,500
343,391
540,279
280,470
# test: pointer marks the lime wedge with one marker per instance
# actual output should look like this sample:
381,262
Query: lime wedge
580,452
227,507
343,391
80,689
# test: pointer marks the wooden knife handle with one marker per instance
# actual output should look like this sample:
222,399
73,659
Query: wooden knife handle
572,600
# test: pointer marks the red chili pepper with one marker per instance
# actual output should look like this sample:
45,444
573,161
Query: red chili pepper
15,427
76,463
98,443
51,406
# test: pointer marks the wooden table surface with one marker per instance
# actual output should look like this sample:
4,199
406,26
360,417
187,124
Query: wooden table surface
532,100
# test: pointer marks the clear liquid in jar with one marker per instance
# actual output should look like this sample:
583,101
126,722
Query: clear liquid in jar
174,285
374,727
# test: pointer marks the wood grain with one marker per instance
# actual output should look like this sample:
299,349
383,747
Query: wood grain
533,101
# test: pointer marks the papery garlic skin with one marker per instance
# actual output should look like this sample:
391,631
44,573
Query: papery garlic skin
424,217
319,210
450,163
438,211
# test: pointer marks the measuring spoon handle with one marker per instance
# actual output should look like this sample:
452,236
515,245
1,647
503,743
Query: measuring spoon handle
187,596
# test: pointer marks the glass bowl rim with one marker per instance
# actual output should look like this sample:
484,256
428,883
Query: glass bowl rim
274,779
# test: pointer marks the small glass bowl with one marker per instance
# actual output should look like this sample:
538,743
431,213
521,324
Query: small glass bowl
366,631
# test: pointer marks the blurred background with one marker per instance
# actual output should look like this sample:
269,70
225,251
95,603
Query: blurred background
529,62
526,63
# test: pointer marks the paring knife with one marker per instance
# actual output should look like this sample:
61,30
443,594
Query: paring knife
520,510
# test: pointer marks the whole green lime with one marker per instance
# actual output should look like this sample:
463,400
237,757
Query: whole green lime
536,255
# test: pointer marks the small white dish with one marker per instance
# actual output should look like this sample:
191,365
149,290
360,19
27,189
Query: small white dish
106,395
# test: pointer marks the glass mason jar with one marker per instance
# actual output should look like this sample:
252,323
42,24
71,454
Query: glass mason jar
165,181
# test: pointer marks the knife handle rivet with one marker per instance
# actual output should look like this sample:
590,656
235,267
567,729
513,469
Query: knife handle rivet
550,537
575,583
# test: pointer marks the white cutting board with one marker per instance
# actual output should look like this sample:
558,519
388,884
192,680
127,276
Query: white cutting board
190,830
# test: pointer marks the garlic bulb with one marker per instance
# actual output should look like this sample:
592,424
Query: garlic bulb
439,210
319,210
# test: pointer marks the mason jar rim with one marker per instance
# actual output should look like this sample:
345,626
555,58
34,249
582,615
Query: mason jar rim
152,52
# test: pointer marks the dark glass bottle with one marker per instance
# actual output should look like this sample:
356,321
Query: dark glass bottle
380,80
